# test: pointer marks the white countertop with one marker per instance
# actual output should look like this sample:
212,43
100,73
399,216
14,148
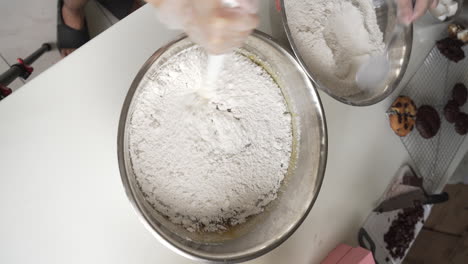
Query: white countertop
61,198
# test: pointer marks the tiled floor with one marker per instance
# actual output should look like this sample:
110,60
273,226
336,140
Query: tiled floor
26,24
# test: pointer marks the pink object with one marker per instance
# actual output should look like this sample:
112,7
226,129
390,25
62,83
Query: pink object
337,254
344,254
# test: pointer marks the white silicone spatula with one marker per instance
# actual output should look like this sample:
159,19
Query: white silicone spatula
375,70
215,62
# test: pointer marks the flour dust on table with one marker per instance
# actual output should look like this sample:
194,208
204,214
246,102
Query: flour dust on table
209,165
334,38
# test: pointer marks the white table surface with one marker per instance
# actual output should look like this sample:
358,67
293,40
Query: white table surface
61,198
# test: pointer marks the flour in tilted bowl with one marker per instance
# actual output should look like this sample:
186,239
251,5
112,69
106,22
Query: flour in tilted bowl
334,38
208,166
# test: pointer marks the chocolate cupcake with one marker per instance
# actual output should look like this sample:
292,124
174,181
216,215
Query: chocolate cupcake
427,121
459,93
461,125
451,111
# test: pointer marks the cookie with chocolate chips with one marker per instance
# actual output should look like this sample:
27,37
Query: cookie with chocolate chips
402,125
402,114
404,105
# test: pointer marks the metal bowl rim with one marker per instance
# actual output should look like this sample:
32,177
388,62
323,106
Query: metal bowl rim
322,87
194,254
452,19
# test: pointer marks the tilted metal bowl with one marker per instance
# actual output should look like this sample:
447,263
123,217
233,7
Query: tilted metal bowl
299,190
452,19
399,54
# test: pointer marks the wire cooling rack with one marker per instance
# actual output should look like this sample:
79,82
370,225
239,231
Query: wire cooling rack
432,85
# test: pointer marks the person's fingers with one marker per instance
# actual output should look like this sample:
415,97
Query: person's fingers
245,22
219,29
435,3
66,52
224,47
420,9
216,49
233,20
222,29
156,3
232,41
237,36
249,6
405,10
226,41
235,44
206,7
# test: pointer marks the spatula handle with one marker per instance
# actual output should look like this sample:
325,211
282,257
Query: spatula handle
437,198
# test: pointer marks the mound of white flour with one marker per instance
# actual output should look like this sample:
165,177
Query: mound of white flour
334,37
210,165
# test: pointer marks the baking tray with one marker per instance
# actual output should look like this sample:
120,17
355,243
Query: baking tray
432,85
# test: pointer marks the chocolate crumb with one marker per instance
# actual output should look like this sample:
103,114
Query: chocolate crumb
402,231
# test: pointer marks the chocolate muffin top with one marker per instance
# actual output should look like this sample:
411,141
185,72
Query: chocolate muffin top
459,93
427,121
451,111
461,124
451,48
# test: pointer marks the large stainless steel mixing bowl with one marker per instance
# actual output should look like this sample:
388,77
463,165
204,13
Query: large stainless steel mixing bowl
299,190
399,54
